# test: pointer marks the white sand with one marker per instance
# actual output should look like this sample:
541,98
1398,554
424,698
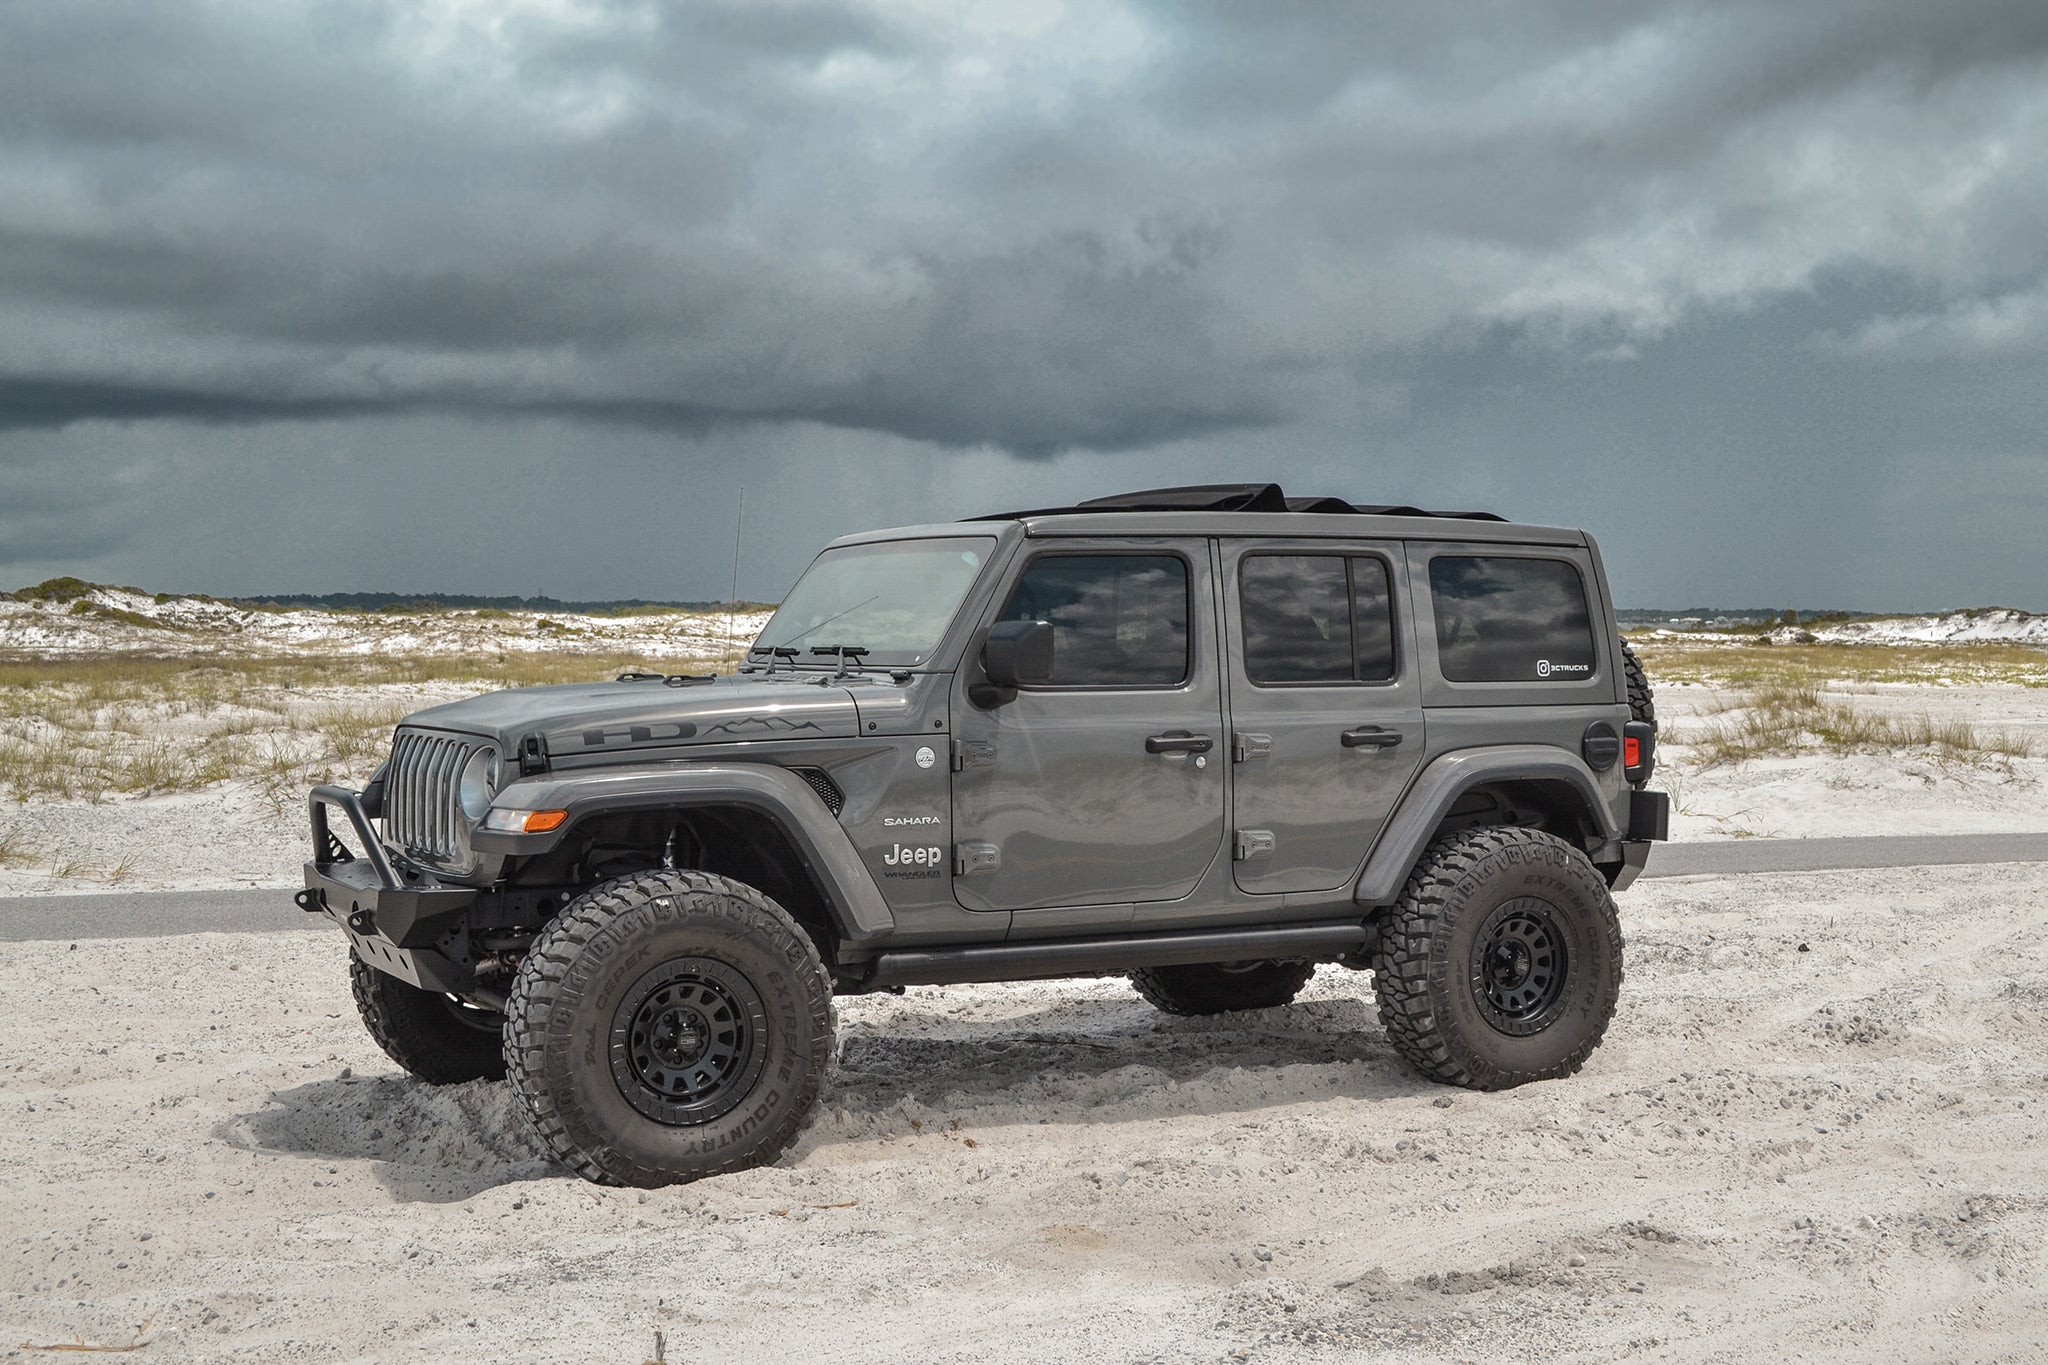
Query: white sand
1777,1154
1817,795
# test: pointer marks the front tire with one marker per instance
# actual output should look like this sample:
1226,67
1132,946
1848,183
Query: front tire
1218,987
1501,962
439,1040
668,1026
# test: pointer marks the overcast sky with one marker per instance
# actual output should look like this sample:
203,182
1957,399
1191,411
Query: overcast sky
512,296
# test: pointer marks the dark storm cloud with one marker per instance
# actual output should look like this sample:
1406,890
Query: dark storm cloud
1488,253
1038,228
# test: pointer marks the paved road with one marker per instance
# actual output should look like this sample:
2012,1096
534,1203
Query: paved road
149,914
1737,856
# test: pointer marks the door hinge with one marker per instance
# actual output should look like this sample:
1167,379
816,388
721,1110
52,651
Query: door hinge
1254,843
972,858
1245,746
973,753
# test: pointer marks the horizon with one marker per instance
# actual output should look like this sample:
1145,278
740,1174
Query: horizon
332,601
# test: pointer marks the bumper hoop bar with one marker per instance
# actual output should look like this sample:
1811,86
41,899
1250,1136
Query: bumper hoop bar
351,805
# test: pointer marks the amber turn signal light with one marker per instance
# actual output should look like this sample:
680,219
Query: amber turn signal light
525,821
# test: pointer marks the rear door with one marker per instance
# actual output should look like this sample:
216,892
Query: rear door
1326,707
1106,786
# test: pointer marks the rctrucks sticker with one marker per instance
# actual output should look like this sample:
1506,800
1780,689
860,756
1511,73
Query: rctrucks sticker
1544,668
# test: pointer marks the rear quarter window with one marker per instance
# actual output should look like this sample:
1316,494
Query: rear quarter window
1511,619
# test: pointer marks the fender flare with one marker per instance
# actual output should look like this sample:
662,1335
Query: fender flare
786,799
1433,794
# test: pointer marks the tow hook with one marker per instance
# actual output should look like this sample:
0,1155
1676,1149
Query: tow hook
312,900
363,922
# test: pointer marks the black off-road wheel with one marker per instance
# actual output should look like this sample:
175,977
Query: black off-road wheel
1219,987
439,1040
666,1027
1501,962
1642,705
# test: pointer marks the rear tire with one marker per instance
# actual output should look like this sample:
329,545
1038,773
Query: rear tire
1501,962
668,1026
435,1038
1219,987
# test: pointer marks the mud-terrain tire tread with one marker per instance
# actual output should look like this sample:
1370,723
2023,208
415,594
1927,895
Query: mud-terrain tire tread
417,1030
1409,936
1642,705
539,980
1199,988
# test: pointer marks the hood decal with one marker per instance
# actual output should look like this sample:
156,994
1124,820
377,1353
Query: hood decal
780,725
639,734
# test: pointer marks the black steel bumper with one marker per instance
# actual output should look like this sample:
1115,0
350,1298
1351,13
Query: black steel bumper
395,916
1635,855
1649,821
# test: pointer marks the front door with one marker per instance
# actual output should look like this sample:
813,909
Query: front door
1326,708
1106,786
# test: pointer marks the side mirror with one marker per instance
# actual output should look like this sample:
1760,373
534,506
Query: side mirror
1014,654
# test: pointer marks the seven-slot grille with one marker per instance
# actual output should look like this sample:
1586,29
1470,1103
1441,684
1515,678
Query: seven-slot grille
422,812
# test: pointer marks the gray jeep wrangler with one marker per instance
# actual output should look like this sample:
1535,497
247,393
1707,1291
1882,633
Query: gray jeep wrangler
1207,738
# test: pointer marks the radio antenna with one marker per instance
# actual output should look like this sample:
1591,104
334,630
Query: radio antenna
732,603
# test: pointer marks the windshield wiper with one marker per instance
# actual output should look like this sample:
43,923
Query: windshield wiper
822,624
850,656
775,653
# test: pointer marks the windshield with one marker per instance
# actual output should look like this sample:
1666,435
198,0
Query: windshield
893,598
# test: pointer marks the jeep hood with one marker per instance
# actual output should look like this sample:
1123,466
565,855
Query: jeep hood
576,719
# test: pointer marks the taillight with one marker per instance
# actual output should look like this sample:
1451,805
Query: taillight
1638,751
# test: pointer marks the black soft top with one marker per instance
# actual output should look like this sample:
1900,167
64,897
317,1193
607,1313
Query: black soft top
1228,497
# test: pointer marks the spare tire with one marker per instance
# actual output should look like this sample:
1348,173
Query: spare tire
1641,705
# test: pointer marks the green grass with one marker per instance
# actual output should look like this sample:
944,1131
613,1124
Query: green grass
1741,662
15,848
1783,719
92,727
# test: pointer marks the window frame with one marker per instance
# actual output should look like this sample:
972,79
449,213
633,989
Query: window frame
1386,564
1188,653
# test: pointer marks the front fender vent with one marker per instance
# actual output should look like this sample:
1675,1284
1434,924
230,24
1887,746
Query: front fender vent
827,790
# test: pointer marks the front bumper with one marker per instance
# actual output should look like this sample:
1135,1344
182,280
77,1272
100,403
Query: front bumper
397,918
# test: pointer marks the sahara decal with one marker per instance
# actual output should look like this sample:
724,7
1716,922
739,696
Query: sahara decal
892,821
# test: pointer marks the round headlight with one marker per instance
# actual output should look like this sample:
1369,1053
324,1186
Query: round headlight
479,778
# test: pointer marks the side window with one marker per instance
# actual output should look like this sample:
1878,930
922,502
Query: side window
1372,600
1316,619
1297,618
1118,620
1501,619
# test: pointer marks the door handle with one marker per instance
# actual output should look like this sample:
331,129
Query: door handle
1179,742
1370,737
